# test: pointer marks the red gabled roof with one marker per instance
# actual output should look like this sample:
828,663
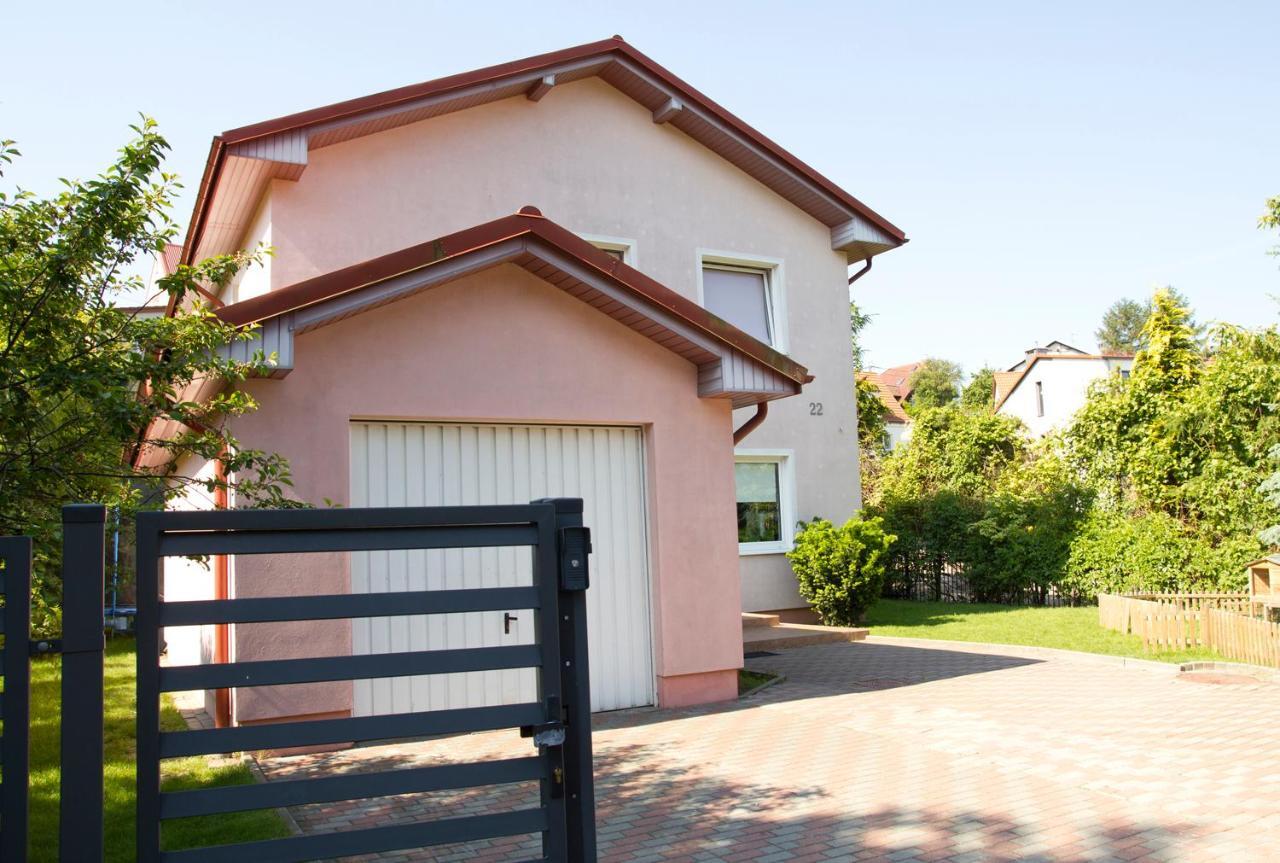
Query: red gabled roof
492,77
529,223
898,380
894,411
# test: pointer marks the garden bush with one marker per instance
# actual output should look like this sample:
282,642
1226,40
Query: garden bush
1164,481
841,569
1020,546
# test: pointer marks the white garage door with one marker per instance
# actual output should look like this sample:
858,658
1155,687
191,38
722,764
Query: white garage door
444,464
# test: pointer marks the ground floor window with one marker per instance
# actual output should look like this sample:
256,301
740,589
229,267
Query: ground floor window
765,497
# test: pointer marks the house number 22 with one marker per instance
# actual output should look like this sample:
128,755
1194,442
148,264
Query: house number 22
815,409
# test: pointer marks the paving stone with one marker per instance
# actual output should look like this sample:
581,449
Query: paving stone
880,751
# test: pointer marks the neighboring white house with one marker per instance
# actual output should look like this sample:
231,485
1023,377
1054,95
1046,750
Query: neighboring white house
1047,386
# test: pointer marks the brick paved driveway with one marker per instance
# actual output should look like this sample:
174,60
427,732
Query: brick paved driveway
903,751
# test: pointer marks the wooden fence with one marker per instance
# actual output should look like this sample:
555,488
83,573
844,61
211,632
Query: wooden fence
1193,621
1240,603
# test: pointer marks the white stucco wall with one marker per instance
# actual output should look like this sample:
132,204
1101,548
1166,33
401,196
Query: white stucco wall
256,279
899,433
187,579
1065,382
593,160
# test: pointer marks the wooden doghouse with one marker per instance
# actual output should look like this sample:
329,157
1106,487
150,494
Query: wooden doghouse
1264,577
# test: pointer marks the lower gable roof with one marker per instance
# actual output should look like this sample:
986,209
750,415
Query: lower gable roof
731,364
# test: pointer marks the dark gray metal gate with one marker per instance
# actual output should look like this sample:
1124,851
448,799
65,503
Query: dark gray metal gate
15,702
560,722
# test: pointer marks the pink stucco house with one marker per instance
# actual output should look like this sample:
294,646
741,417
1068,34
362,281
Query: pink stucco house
568,275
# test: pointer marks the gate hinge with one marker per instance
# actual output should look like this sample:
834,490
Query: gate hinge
44,647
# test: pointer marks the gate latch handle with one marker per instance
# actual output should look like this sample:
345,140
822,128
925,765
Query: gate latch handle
550,733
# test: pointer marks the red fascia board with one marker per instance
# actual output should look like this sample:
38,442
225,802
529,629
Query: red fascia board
460,244
412,92
391,98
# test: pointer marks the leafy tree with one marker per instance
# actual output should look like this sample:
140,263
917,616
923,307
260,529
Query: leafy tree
1186,438
1270,487
1121,329
841,570
858,321
1270,220
82,380
935,383
1022,543
871,416
954,451
979,393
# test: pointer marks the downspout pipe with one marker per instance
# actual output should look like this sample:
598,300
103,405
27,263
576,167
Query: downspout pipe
762,411
221,590
862,272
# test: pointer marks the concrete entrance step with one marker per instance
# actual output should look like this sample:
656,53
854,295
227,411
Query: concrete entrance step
751,619
767,632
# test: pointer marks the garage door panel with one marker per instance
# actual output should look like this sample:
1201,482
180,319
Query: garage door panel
436,464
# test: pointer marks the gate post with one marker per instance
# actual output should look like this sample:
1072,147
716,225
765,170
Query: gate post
15,584
83,544
573,543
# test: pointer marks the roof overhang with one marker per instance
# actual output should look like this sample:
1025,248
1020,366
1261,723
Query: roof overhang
731,364
243,161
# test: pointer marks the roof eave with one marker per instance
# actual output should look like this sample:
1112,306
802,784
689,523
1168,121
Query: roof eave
881,235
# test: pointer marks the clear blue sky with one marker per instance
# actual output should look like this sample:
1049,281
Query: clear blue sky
1045,159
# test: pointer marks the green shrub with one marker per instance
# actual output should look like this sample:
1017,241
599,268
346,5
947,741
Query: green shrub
1152,553
841,569
1020,546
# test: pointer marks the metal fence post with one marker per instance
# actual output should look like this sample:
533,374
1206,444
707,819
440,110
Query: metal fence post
15,584
83,545
575,683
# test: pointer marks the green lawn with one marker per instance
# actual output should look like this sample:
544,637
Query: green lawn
749,680
1067,628
179,774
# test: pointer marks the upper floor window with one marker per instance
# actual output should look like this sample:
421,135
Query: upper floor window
747,294
618,247
1039,399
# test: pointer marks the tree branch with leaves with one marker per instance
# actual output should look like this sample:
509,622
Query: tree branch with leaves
86,384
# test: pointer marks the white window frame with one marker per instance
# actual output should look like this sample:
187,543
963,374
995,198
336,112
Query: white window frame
785,460
1039,398
614,244
775,286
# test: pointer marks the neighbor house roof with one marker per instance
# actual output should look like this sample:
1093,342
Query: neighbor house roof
1015,378
894,412
1003,383
243,161
898,380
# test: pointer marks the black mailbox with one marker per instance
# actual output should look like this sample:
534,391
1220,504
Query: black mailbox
575,545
